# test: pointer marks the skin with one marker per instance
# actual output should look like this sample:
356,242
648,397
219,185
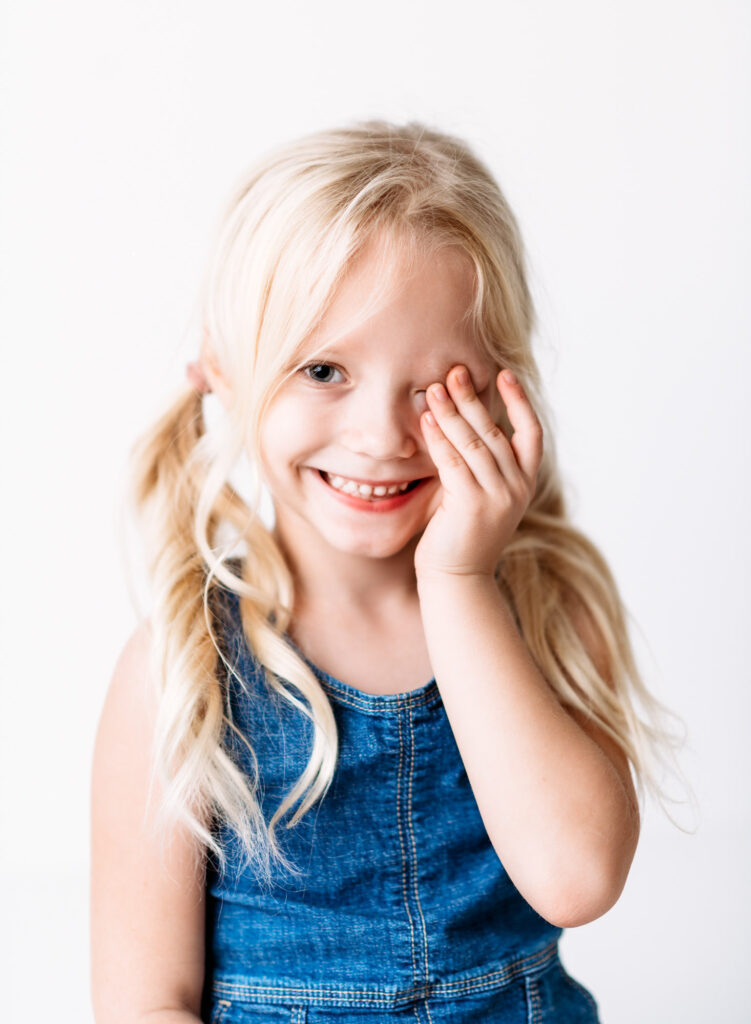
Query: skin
365,423
487,480
554,791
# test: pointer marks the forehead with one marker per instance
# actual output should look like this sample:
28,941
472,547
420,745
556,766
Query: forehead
412,301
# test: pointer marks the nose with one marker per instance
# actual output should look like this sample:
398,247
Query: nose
382,426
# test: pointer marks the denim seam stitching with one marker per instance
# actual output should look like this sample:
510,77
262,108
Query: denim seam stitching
415,885
534,1014
523,967
405,894
220,1012
377,708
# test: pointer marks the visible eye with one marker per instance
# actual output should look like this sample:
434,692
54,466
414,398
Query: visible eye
324,368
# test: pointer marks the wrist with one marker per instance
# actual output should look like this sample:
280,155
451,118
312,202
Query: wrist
454,586
441,580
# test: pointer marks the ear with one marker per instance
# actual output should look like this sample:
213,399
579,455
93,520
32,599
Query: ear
215,377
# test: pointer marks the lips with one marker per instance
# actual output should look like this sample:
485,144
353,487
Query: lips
372,502
372,483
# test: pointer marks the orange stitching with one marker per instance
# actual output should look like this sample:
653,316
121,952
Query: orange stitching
401,847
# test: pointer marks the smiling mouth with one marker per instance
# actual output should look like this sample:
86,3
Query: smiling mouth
368,492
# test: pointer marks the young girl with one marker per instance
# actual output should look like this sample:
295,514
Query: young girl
423,654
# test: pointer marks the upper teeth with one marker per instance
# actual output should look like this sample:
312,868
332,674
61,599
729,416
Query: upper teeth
365,490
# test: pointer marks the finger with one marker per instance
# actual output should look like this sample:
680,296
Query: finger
453,471
482,462
527,438
470,406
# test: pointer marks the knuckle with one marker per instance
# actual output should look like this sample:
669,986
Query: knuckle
474,444
503,501
452,459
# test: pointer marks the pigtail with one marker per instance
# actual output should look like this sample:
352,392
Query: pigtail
185,504
169,473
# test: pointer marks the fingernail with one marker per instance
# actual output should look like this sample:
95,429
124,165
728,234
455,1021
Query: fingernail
509,376
462,376
438,391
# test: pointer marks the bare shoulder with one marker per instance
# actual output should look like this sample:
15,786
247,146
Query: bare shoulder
147,904
130,691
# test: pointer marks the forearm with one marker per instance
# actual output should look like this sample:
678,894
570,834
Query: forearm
169,1017
163,1015
552,802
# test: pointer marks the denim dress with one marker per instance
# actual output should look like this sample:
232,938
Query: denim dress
403,910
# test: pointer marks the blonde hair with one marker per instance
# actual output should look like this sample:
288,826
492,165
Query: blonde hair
289,234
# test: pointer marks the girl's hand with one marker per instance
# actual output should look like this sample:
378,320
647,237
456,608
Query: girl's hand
487,481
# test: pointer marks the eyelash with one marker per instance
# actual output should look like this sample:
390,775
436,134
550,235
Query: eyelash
309,366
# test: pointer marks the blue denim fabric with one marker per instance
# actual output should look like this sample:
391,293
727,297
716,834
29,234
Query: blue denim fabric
404,911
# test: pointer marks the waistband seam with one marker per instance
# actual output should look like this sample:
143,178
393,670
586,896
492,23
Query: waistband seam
489,980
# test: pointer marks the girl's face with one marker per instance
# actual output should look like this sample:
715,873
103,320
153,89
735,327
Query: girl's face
353,412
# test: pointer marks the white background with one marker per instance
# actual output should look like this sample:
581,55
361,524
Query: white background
621,134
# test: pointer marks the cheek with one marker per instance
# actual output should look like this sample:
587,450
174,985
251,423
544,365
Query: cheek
435,501
277,433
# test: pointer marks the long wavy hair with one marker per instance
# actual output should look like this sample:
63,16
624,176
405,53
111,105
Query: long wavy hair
293,227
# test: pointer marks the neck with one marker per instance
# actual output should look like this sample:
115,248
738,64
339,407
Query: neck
362,586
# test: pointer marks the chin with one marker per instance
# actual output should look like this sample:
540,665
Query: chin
372,547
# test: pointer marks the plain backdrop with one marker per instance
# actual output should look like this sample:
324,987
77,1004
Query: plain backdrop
621,134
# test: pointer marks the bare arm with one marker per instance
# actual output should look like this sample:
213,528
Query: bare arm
555,793
147,904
